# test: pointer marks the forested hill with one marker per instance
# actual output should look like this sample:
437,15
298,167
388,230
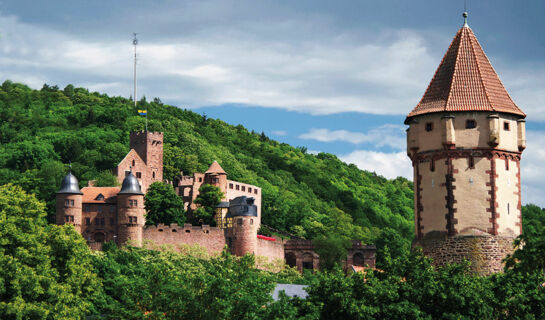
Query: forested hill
307,195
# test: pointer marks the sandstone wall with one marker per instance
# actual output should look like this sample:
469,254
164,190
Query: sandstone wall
211,238
272,250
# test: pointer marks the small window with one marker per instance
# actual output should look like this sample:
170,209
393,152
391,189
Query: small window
153,174
506,126
432,165
471,124
112,209
174,230
102,221
97,221
100,197
133,163
237,187
69,218
187,231
251,221
506,164
133,203
429,126
139,175
249,190
230,186
111,221
66,203
200,179
507,208
86,208
133,220
99,209
87,221
255,191
243,188
471,162
160,230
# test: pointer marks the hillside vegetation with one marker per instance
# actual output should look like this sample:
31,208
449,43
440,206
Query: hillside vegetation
307,195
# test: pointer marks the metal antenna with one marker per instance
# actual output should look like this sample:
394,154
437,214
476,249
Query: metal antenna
134,42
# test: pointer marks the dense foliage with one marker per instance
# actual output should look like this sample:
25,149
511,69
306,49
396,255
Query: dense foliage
49,273
163,205
208,199
304,194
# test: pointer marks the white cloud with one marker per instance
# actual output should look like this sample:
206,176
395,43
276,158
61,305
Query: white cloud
389,165
386,135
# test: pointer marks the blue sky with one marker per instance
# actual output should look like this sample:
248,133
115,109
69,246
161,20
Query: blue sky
333,76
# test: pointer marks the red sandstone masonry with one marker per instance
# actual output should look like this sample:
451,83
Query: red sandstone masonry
211,238
272,250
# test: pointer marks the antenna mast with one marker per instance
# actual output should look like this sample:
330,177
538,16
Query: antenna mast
134,42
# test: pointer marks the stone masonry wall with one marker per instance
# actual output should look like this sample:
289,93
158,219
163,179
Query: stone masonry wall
211,238
484,252
272,250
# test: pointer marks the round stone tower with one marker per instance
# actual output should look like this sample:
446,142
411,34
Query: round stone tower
465,140
130,212
68,202
242,234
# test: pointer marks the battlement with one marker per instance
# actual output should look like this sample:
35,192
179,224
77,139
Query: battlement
143,133
211,238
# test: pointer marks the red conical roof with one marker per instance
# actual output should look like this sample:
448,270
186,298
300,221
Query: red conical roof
465,81
215,168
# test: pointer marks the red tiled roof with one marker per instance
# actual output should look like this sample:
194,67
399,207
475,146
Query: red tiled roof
465,81
215,168
91,193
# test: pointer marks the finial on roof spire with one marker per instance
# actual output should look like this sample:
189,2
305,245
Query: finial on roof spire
69,166
465,18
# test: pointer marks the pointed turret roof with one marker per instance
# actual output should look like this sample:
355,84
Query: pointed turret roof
465,81
215,168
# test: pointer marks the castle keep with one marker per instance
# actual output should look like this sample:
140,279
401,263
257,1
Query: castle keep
116,214
465,140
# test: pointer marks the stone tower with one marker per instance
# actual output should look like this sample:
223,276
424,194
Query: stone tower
242,234
216,176
149,146
465,140
130,212
68,202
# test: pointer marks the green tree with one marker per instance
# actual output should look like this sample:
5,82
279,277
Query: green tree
208,199
163,205
106,179
46,269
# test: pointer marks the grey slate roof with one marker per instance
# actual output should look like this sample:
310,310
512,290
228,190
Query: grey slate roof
69,185
291,290
242,206
130,185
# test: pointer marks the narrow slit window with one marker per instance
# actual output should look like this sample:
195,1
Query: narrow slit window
471,162
432,165
506,164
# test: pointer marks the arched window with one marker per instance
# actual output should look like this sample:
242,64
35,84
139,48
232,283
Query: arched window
358,259
308,261
291,259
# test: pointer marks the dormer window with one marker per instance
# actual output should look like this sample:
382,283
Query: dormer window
100,197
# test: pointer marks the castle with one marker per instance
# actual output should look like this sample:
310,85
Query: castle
117,214
465,140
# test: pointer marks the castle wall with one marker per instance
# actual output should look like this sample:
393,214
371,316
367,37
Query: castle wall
237,189
508,211
432,184
211,238
471,188
99,218
485,253
133,162
74,209
272,250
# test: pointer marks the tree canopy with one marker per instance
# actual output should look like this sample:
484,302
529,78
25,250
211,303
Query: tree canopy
163,205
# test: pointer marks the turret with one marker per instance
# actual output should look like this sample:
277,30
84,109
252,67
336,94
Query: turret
130,211
465,140
242,233
216,176
68,202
